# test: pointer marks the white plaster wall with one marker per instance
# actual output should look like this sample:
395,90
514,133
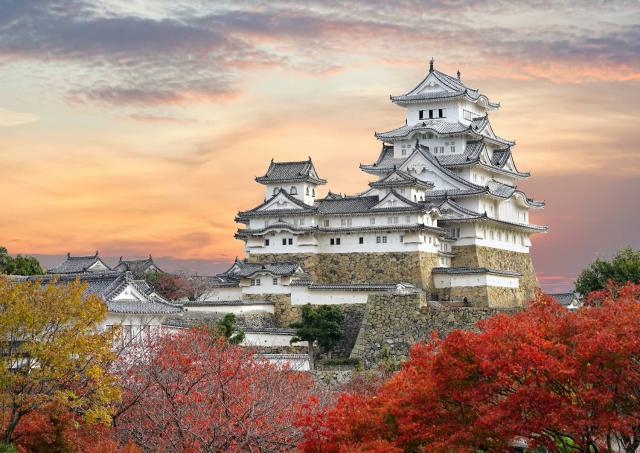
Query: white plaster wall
217,294
450,113
235,309
266,285
303,295
472,280
297,363
267,339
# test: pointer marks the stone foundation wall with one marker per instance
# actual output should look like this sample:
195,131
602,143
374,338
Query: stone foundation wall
392,323
475,256
387,267
284,312
481,296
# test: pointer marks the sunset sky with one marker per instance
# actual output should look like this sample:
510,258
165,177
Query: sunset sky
136,127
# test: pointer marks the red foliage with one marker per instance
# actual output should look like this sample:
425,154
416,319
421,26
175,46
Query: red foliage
546,375
57,429
197,393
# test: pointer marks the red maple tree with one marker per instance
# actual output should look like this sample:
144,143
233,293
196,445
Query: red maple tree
566,381
192,392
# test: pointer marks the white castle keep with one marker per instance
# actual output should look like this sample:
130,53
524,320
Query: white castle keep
442,211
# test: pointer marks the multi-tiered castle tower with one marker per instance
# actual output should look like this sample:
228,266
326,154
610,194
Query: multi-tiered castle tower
443,213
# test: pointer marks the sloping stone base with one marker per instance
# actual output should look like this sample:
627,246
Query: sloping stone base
387,267
475,256
392,323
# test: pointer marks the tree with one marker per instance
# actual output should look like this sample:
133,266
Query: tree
560,380
189,393
228,329
322,324
20,265
52,352
169,286
624,267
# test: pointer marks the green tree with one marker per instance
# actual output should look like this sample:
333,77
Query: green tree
52,351
624,267
20,265
227,327
321,325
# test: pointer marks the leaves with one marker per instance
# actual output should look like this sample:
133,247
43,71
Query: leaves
562,380
623,268
53,352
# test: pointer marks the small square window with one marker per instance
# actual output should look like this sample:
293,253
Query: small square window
378,239
290,241
384,239
361,240
401,238
441,113
372,220
284,241
337,241
266,242
275,281
332,241
326,223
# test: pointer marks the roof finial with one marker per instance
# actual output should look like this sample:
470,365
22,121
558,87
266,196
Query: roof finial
68,254
458,74
431,65
96,253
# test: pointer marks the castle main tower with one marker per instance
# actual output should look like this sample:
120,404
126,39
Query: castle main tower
442,212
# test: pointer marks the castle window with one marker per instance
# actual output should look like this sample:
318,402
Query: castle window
293,190
431,114
468,115
378,239
332,241
401,238
337,241
266,242
408,219
440,113
361,240
301,221
275,281
372,220
290,241
326,222
284,241
307,190
421,114
384,239
345,222
453,149
256,282
404,152
313,192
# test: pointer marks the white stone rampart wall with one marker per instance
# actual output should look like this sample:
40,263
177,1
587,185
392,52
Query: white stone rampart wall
235,309
303,295
472,280
267,339
218,294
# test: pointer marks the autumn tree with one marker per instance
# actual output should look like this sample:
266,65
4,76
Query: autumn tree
623,268
189,393
20,265
559,380
52,352
321,325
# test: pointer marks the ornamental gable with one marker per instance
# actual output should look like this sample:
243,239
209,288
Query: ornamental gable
280,202
423,168
393,200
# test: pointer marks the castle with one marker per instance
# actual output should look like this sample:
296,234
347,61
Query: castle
441,214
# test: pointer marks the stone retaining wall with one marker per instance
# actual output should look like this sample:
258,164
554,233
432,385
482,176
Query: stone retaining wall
475,256
387,267
392,323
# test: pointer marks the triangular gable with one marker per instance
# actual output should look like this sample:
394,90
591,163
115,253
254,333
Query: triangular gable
431,84
510,165
282,201
394,200
131,292
484,157
424,167
396,176
450,208
98,266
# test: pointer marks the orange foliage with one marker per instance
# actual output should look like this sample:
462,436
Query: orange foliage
546,375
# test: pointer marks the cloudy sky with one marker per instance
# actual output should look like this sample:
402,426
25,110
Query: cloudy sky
137,126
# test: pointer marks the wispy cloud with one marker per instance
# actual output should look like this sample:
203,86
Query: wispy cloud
10,118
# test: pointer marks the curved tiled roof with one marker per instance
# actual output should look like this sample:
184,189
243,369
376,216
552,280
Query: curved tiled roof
108,285
455,88
279,172
77,264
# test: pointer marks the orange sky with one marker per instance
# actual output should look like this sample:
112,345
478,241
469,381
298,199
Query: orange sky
137,128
